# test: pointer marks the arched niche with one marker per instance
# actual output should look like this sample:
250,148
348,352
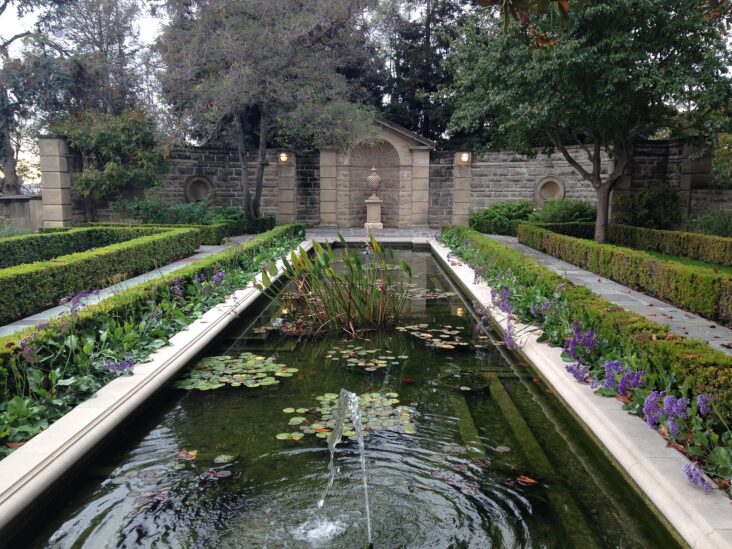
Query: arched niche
548,188
383,156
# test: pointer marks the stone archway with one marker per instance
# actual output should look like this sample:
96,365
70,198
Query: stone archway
384,157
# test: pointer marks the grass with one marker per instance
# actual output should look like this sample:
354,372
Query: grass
690,262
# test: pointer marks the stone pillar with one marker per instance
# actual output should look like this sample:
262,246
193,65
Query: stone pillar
420,187
55,181
286,187
328,187
462,180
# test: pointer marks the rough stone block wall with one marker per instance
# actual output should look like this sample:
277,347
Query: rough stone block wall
307,185
221,167
499,176
441,188
710,200
657,163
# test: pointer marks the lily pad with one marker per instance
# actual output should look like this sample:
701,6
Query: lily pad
246,370
223,458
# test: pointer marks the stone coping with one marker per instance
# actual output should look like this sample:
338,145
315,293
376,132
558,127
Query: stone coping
702,520
37,465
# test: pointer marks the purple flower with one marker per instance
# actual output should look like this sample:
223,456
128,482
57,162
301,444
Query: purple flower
579,372
218,278
580,342
503,300
613,369
199,277
508,336
696,477
676,407
75,300
704,400
119,366
548,305
176,287
631,380
673,427
652,410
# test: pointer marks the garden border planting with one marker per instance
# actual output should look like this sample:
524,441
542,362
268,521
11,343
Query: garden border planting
29,248
211,235
28,288
703,247
698,290
702,520
29,471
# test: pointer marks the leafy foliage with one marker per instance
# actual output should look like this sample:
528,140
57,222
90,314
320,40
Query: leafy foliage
342,294
565,211
117,152
716,223
501,217
655,207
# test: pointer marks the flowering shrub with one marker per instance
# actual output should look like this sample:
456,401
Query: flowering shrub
63,362
680,387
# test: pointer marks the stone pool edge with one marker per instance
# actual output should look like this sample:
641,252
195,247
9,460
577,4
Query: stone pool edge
37,465
702,520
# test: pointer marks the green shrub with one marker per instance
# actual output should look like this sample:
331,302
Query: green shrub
655,207
6,229
711,249
565,211
30,248
692,365
695,289
29,288
714,223
501,217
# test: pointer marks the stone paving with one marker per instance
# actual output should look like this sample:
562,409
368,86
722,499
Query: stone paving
678,320
202,252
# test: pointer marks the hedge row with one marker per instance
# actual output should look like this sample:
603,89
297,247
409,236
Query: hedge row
696,367
126,303
29,248
29,288
704,247
696,289
209,234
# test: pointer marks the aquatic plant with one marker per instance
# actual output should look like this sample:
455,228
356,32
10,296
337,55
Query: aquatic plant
379,411
368,360
246,370
340,293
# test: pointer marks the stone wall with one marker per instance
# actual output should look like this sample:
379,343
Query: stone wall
24,212
307,187
441,188
710,200
498,176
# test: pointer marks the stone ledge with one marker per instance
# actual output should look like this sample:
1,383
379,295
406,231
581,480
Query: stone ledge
702,520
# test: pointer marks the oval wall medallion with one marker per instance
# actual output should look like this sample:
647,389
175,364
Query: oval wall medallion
548,188
197,188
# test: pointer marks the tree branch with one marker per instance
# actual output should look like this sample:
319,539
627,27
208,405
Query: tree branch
557,141
6,43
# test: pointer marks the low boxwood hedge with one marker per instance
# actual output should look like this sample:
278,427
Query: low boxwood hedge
694,365
29,248
695,289
704,247
127,304
209,234
29,288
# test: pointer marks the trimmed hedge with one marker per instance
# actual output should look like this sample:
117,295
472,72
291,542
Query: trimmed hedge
695,289
127,303
704,247
29,288
209,234
696,366
29,248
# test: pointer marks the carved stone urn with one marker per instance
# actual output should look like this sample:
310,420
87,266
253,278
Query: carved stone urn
374,182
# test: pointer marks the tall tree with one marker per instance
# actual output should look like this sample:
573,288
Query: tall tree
415,36
618,71
18,87
272,66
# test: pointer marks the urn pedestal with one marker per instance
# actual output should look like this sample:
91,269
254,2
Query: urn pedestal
373,202
373,213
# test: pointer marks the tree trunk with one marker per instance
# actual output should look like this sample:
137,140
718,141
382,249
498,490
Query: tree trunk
11,183
603,209
261,161
241,149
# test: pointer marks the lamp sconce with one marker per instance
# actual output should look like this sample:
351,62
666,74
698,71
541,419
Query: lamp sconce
283,157
465,158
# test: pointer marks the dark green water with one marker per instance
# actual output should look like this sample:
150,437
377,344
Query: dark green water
457,482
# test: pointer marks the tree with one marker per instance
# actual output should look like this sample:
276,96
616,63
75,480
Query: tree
272,65
415,36
117,152
617,72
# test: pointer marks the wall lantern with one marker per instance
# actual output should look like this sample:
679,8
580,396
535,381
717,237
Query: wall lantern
284,157
465,158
